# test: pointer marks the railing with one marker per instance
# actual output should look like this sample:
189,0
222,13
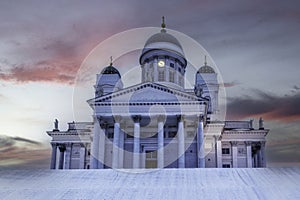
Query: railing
238,125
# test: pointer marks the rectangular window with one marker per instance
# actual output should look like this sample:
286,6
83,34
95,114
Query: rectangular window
171,76
161,76
226,165
225,151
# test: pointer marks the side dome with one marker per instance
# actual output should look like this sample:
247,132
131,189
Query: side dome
206,70
110,70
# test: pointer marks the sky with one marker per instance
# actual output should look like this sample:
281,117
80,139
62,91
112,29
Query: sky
255,45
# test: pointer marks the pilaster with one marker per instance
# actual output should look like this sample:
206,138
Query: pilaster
68,155
62,149
249,154
218,140
234,154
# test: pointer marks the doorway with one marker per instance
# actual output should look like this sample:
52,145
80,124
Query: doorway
151,159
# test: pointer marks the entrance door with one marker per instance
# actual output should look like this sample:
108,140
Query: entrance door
151,159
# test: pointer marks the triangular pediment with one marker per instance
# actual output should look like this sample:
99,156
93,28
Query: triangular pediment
147,92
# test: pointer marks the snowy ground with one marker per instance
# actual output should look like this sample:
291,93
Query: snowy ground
271,183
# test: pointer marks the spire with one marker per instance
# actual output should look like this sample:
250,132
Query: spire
205,62
111,61
163,25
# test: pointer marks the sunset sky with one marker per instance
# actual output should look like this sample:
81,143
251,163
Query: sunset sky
255,44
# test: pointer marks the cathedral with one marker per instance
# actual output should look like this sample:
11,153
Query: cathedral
158,123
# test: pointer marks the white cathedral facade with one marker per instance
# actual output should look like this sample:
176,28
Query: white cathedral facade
158,123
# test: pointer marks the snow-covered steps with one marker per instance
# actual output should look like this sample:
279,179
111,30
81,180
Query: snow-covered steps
268,183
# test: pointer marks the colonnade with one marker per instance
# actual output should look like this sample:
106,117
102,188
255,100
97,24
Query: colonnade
61,152
98,144
255,157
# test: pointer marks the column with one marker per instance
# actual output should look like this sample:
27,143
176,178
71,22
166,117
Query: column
263,154
180,140
259,157
200,143
255,160
176,76
121,149
155,70
143,72
160,142
136,142
81,156
101,148
219,151
68,156
95,145
53,156
249,154
116,139
234,154
167,70
61,156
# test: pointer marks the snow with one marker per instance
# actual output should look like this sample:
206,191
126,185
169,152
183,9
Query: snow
268,183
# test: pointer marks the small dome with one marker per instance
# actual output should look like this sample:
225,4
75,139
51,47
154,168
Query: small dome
206,70
110,70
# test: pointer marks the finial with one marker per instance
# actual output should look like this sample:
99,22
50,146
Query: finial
163,25
111,61
205,62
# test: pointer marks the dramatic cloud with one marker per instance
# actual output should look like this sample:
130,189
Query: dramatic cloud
17,152
284,108
231,84
46,71
285,151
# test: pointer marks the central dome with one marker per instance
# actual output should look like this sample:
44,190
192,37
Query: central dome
163,41
163,36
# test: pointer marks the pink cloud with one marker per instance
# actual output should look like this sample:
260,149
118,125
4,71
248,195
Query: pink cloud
44,71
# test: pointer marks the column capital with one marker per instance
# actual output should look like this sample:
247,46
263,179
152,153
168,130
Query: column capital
62,147
233,143
103,124
68,144
83,144
200,117
217,137
54,145
136,118
161,118
180,118
248,143
117,118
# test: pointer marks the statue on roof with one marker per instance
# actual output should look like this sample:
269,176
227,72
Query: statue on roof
56,124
